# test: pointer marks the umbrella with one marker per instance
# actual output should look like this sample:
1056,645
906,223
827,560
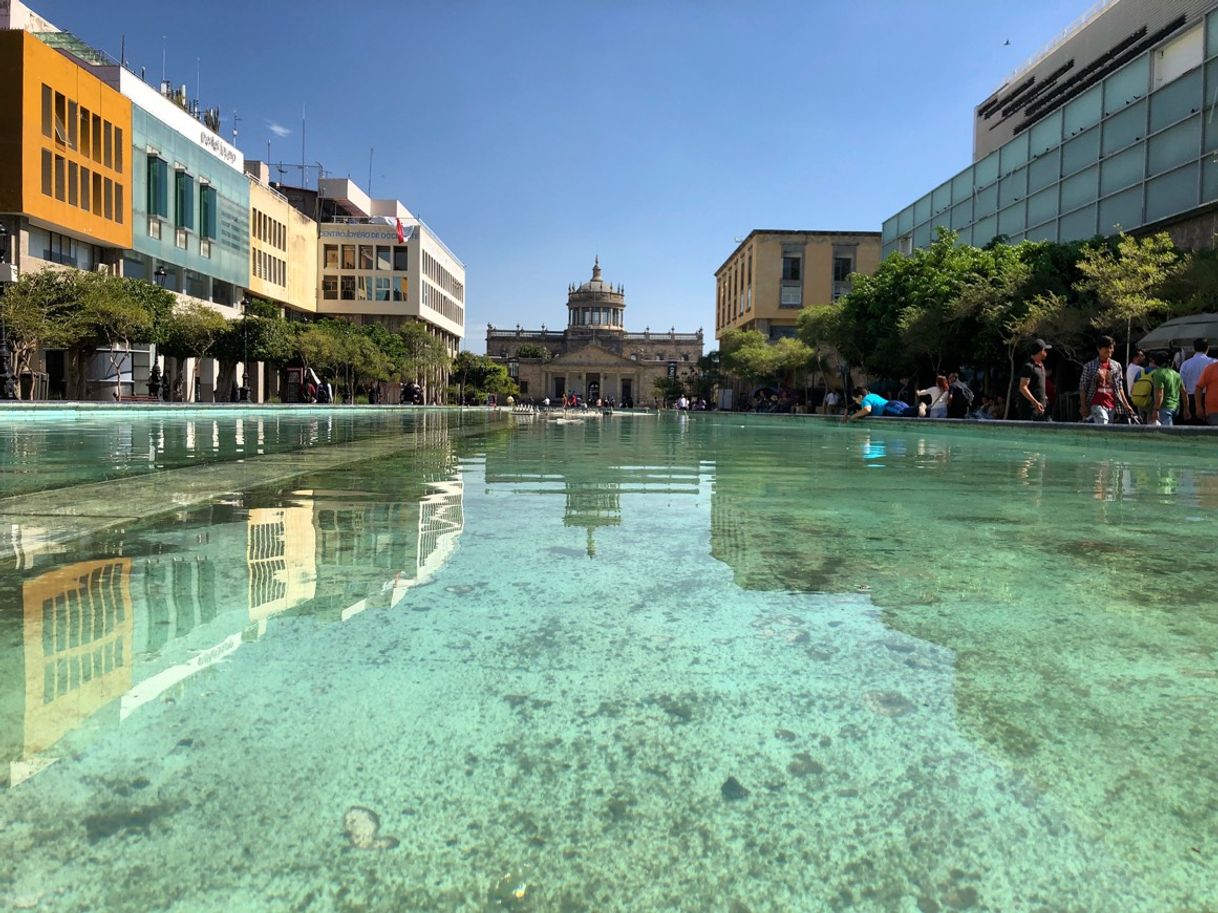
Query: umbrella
1180,331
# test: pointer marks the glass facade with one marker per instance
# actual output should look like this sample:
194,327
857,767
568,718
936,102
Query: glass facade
1131,150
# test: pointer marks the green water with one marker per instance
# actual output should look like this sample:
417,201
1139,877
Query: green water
637,663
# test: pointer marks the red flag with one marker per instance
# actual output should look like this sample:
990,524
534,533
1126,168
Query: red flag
401,233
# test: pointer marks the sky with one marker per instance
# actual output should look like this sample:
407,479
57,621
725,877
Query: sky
534,136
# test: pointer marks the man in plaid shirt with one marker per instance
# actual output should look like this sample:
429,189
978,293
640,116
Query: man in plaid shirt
1101,389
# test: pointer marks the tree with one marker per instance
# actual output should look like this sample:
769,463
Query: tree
1125,281
35,310
477,375
114,312
424,354
532,350
668,389
191,330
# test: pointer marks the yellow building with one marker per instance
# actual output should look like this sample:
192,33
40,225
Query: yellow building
65,159
283,246
774,274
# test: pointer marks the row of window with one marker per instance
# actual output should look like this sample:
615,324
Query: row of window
75,127
583,317
76,185
736,293
269,230
443,279
380,257
265,266
442,304
364,288
184,199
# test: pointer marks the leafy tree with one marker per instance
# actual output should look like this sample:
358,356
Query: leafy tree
114,312
423,353
668,389
532,350
478,375
192,330
1125,281
36,309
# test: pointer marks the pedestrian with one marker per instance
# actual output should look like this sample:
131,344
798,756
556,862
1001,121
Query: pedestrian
1169,389
832,401
940,395
1207,394
1134,370
959,397
1101,389
1033,403
1190,371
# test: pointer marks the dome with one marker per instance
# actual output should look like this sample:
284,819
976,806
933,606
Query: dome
596,286
596,303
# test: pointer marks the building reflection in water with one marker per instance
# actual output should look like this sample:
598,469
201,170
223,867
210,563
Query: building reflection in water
97,639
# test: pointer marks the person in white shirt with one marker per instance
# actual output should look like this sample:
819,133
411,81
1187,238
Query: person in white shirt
938,397
832,401
1190,373
1134,370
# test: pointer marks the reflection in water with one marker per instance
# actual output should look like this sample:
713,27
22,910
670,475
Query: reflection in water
173,598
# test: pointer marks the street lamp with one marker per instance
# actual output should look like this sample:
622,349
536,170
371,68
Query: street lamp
8,384
243,392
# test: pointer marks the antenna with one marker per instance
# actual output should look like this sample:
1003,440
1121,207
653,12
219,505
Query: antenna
198,79
369,171
303,180
235,119
162,59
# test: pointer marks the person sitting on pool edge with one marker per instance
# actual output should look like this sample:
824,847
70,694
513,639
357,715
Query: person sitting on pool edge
872,404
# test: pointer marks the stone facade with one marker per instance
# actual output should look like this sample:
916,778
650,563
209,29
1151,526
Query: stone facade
594,356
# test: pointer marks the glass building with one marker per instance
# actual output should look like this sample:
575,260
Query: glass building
1123,140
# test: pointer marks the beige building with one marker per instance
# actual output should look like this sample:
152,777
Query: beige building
594,356
774,274
283,246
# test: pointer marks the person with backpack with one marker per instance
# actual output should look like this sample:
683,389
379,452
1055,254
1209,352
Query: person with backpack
1101,389
1168,387
959,397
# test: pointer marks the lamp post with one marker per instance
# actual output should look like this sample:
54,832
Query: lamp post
8,384
243,392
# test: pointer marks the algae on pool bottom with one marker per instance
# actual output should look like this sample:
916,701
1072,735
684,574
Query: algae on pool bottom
943,670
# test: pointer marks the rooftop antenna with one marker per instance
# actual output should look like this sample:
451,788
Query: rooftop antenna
198,79
304,181
369,171
235,119
162,60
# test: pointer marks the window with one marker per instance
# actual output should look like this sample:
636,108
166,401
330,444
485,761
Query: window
73,184
97,138
108,186
400,261
330,256
842,268
1179,56
348,288
790,268
47,184
85,184
329,288
399,291
184,208
158,187
46,111
208,212
85,120
348,256
365,289
366,258
382,288
73,116
97,194
60,178
118,149
108,144
61,117
384,259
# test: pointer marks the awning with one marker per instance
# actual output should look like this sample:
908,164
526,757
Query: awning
1180,332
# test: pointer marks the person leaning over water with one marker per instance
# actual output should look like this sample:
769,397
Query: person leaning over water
1033,402
1101,389
872,404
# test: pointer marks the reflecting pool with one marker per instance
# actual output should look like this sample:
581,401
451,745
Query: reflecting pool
443,661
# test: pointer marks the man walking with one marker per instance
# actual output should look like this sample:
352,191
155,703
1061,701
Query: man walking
1134,370
1101,389
1190,372
1207,394
1033,403
1169,389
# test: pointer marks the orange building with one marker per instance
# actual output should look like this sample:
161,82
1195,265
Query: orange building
65,159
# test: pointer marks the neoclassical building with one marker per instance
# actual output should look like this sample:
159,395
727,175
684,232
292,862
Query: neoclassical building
594,356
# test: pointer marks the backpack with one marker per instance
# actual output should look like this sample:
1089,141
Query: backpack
1142,393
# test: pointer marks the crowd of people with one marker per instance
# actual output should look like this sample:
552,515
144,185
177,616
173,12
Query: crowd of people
1155,388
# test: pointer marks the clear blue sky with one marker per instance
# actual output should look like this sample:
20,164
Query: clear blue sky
533,135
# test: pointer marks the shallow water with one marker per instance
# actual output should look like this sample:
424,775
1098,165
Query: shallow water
642,663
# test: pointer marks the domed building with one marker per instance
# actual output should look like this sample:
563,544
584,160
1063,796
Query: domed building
593,356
